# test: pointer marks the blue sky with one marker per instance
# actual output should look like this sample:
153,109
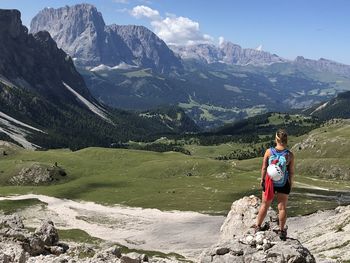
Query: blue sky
311,28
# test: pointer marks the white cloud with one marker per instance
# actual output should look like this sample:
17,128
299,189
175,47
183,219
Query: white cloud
180,30
142,11
174,30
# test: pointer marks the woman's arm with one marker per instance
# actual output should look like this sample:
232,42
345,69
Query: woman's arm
264,165
291,169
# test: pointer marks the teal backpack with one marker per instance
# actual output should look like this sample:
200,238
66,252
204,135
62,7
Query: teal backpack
280,159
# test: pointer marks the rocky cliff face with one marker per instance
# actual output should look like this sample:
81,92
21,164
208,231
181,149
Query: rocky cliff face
228,53
82,33
147,48
34,63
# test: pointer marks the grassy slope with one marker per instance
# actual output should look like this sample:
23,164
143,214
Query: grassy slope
325,151
159,180
135,178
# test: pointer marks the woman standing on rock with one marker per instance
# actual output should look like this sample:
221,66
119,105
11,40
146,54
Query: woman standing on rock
277,174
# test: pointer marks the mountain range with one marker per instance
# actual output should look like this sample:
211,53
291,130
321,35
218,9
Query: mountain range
44,101
79,75
129,67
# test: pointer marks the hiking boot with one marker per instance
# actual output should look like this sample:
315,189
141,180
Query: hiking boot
257,229
265,226
283,234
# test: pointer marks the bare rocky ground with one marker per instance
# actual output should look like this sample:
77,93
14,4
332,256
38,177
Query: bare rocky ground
320,237
185,233
325,233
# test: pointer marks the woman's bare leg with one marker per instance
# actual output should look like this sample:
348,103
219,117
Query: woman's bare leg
263,210
282,200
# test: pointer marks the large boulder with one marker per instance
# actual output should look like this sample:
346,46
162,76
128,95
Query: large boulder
47,233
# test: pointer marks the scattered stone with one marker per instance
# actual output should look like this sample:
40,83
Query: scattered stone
126,259
222,251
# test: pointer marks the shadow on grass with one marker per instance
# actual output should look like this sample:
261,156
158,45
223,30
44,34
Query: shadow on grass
77,192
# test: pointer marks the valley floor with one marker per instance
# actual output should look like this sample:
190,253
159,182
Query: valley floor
186,233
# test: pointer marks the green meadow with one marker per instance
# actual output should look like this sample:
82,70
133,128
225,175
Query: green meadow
175,181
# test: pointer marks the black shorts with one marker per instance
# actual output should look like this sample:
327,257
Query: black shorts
284,189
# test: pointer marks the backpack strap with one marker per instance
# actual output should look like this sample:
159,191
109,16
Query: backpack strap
275,152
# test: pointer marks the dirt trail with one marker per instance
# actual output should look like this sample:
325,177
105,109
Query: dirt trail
186,233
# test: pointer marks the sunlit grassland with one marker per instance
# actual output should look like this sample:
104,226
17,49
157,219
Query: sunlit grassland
166,181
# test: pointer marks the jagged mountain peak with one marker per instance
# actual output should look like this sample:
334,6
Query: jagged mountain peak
81,31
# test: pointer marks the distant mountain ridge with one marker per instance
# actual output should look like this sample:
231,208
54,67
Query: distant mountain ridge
81,31
233,54
228,53
324,65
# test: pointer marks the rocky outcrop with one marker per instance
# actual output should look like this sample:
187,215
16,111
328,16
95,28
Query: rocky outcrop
17,244
38,174
81,31
239,243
